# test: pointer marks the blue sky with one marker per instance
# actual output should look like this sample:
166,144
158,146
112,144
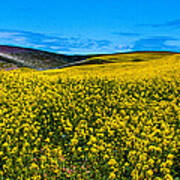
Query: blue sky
91,26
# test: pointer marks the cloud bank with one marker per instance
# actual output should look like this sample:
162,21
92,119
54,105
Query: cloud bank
75,45
69,45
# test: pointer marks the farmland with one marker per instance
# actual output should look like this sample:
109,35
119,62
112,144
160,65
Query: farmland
100,120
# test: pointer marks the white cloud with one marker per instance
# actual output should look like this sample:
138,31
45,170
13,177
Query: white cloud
19,39
55,47
50,40
8,34
39,46
172,43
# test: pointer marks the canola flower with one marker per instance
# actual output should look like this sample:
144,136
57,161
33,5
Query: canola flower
91,122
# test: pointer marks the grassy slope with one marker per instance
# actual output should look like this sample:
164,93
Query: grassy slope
121,63
125,59
37,59
130,57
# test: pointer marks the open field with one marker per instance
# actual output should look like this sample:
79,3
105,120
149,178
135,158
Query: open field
100,120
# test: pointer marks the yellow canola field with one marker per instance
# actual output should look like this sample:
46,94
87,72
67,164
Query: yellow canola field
109,121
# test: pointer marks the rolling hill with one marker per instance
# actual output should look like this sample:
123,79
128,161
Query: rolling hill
12,57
